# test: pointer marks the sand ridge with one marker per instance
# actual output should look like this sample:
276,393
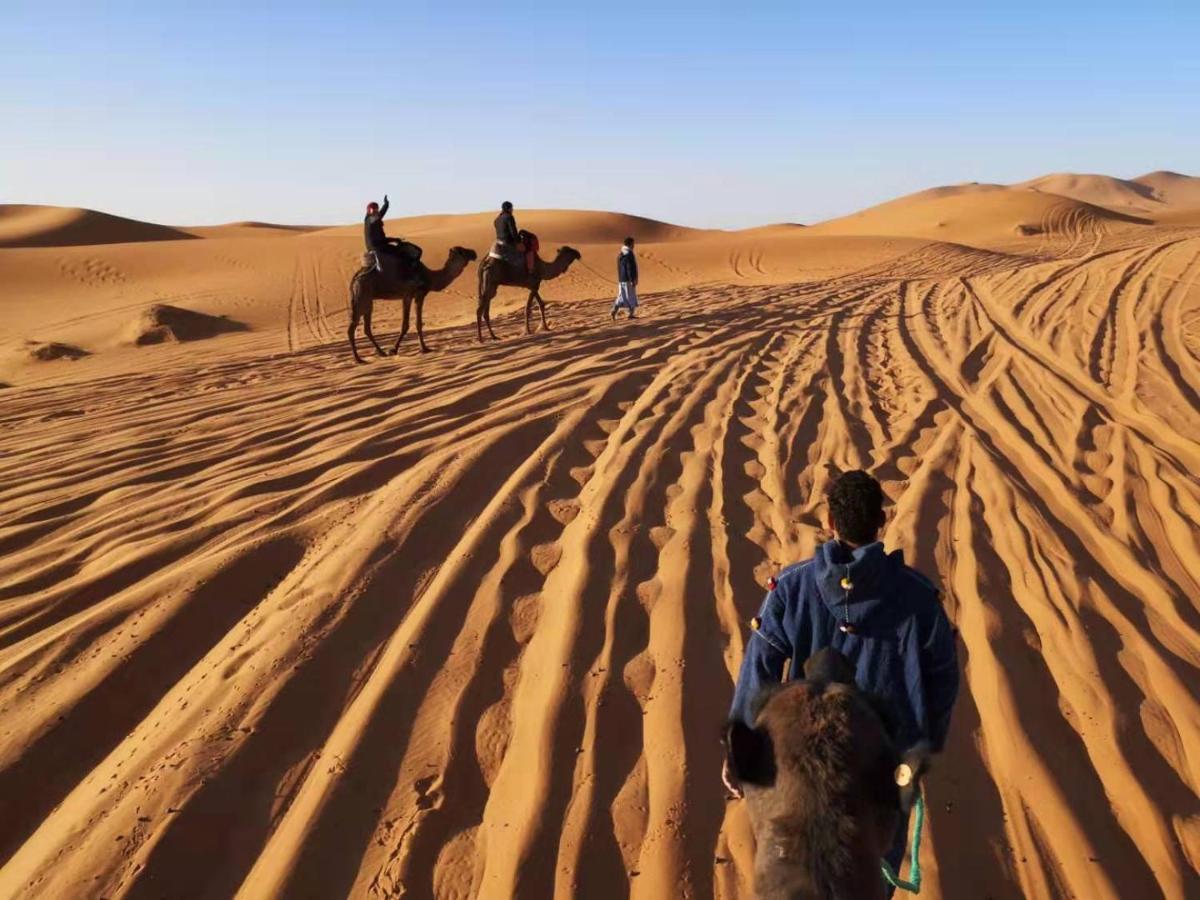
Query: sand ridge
466,624
58,226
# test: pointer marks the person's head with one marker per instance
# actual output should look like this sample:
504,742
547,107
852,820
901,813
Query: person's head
506,206
629,242
372,208
856,508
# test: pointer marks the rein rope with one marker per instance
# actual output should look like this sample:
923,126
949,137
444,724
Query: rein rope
913,885
594,272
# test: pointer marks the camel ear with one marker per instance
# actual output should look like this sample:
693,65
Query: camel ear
829,666
914,763
750,754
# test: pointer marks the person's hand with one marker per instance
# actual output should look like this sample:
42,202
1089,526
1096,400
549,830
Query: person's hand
385,199
727,778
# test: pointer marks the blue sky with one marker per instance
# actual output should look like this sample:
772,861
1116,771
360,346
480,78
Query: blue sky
706,114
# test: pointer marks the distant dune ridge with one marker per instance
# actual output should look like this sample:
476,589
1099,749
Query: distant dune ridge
560,225
466,623
248,230
61,226
1159,192
1100,190
984,214
1173,189
1156,192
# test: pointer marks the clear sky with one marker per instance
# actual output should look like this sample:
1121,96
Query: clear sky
701,113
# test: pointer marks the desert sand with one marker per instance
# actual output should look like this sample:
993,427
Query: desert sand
467,623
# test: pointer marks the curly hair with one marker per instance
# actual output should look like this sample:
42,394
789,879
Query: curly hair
856,507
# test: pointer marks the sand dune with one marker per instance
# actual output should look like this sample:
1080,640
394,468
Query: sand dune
986,216
1100,190
1175,190
60,226
466,624
1079,208
249,230
566,226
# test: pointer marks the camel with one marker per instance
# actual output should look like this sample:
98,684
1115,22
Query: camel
824,785
369,285
493,273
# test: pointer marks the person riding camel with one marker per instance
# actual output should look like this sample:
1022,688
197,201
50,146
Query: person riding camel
509,238
381,245
884,617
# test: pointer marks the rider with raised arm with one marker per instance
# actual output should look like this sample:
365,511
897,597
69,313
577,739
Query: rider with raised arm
381,245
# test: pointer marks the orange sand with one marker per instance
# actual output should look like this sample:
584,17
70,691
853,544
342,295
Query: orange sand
467,623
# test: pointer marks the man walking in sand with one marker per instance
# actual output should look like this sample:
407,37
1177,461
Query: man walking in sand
884,617
627,279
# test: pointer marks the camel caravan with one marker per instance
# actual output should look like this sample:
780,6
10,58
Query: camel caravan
392,270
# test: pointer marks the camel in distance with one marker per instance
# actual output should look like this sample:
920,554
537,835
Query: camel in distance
495,273
369,285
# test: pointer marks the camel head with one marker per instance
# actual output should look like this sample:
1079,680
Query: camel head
562,261
458,260
824,784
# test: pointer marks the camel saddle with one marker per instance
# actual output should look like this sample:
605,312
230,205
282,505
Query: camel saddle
517,255
512,254
404,262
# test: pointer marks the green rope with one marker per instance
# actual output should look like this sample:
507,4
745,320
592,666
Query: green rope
914,885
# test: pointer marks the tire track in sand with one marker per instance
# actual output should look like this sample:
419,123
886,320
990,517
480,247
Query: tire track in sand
468,626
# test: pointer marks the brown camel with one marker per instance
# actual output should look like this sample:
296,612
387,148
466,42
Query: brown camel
493,273
824,785
369,285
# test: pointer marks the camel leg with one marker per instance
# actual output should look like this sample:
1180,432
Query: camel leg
542,307
350,334
355,315
370,333
421,323
403,326
483,312
528,309
483,292
487,320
